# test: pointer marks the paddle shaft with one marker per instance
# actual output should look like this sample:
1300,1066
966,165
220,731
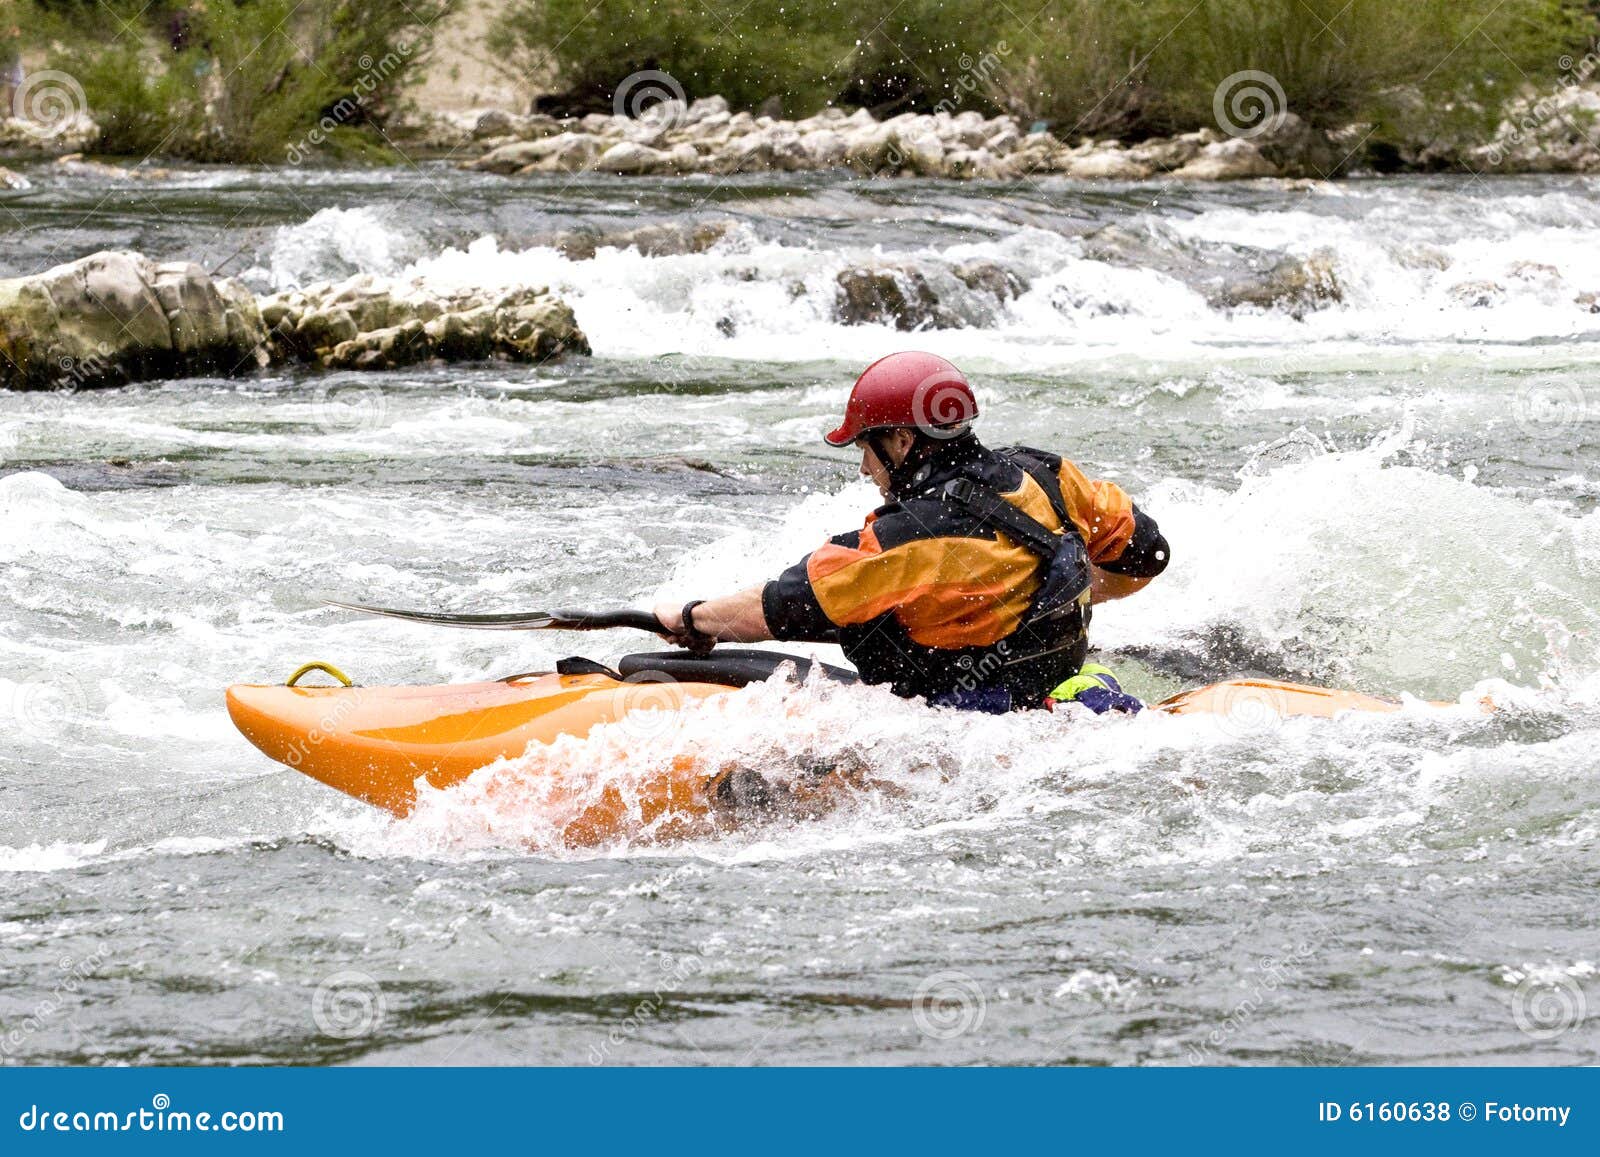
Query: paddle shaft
565,620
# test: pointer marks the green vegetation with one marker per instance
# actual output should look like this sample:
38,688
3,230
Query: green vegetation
1089,67
240,80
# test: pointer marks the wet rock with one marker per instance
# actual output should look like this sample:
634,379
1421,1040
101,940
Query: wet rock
1162,155
1293,285
896,296
514,157
824,147
1295,149
497,122
72,135
1421,257
669,239
78,166
1230,160
992,278
569,153
367,323
1534,271
707,107
626,157
1108,165
970,164
1477,294
1549,131
116,317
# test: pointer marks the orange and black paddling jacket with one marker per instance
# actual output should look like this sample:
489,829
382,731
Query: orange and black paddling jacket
930,594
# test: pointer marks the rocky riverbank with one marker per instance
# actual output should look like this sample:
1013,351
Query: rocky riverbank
707,137
1543,133
117,317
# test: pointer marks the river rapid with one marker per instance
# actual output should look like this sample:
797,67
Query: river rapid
1390,487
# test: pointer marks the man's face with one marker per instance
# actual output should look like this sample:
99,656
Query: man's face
898,444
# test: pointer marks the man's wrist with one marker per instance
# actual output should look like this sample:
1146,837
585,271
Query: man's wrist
689,626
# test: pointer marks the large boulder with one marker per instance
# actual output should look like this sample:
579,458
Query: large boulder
1296,149
896,296
116,317
1292,284
1231,160
367,323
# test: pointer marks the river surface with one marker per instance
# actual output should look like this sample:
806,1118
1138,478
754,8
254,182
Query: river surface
1390,485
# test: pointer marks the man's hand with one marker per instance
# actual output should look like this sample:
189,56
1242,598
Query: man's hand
729,619
670,615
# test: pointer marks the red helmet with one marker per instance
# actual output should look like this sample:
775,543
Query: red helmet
907,390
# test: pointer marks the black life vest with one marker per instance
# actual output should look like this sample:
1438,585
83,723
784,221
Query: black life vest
1049,643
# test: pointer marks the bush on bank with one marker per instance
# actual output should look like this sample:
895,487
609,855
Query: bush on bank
1129,68
240,80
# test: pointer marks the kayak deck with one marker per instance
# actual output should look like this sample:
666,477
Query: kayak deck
377,743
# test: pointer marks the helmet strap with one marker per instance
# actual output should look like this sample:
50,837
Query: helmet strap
922,448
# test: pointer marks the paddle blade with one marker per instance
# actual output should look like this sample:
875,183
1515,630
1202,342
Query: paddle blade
517,621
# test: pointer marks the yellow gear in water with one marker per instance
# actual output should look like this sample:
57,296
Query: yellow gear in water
1088,676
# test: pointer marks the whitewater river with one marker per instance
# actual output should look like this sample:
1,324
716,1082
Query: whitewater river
1390,486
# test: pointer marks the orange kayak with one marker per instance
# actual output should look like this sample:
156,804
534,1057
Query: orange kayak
378,743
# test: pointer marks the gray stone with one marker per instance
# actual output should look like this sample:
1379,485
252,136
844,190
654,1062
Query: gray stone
115,317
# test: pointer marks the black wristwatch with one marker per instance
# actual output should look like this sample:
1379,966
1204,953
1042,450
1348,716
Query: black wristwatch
698,639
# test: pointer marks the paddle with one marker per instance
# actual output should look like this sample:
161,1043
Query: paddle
525,621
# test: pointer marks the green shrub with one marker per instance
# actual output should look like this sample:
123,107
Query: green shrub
255,80
804,53
1156,66
1089,67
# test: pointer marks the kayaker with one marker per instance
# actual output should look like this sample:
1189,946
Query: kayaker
972,585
